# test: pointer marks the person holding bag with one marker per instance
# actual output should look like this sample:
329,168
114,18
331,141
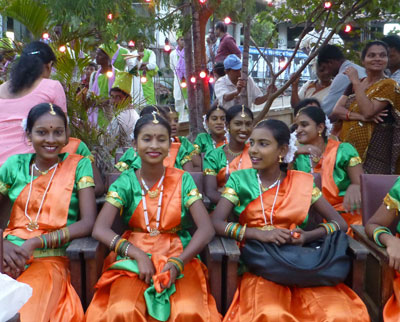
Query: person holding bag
272,205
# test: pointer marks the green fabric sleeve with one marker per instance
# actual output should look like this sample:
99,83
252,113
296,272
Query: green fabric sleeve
214,161
84,174
130,159
346,155
392,199
204,142
302,163
125,193
8,173
83,150
190,193
120,61
184,153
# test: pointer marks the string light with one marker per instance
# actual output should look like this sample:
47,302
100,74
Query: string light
183,83
167,46
131,43
203,74
348,28
110,16
211,79
193,79
202,1
110,74
62,48
327,5
45,35
227,20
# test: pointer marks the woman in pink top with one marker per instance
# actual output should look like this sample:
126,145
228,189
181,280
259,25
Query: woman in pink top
28,86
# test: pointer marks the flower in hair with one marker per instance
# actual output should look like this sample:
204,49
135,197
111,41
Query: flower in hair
292,148
328,126
24,124
205,123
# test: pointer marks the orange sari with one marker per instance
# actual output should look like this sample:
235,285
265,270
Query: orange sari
120,293
53,298
260,300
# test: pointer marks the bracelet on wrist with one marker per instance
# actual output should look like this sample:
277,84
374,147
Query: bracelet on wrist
378,232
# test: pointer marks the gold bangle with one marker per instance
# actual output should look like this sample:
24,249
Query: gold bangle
242,232
66,234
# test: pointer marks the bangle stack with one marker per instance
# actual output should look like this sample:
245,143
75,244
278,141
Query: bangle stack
235,231
178,263
379,231
121,246
330,227
55,239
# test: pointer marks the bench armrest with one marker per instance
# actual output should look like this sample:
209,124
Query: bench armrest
360,235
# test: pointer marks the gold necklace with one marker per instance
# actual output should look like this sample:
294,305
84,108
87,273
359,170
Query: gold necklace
233,153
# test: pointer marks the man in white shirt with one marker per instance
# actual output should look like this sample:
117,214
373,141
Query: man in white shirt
332,59
393,42
229,87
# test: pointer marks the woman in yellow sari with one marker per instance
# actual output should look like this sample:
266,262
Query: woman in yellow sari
370,112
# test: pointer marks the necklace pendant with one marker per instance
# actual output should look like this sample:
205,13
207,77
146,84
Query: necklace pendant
153,194
32,225
154,232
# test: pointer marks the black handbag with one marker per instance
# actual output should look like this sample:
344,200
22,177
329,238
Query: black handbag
321,263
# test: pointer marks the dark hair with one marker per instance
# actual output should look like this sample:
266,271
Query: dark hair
147,119
29,67
373,43
393,41
235,110
92,64
316,114
305,102
330,52
219,69
167,109
213,109
38,110
150,109
221,26
280,131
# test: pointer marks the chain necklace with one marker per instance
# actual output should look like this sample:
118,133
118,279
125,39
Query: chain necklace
33,224
152,194
153,231
233,153
277,182
46,171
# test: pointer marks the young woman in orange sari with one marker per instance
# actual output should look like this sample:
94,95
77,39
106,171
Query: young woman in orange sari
338,163
53,202
152,272
377,229
269,202
219,163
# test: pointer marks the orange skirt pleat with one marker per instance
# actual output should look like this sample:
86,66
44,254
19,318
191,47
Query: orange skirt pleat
53,297
260,300
119,297
391,312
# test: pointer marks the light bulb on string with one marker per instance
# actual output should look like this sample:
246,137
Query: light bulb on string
227,20
131,43
110,16
348,28
183,83
202,1
211,79
45,35
203,74
193,79
62,48
327,5
109,74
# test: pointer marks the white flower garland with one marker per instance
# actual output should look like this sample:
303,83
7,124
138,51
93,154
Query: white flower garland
292,148
204,123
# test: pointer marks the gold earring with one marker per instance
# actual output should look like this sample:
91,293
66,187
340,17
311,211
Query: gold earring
280,159
319,133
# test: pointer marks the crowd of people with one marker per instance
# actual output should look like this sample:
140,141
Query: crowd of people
258,179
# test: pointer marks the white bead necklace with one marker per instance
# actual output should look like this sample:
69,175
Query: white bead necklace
277,182
153,231
33,224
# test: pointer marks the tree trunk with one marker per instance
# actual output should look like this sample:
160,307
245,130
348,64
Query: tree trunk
198,86
189,71
245,59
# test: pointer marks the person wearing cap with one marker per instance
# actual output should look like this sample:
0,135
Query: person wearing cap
229,87
142,65
124,121
102,80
